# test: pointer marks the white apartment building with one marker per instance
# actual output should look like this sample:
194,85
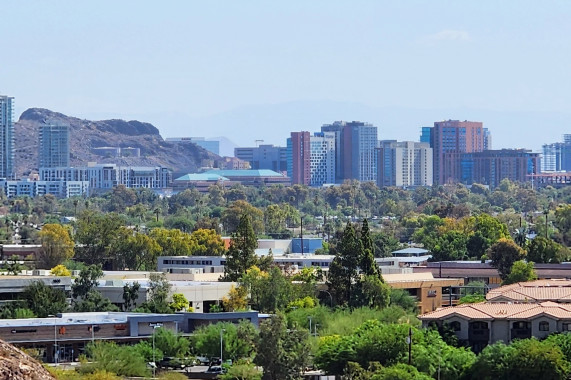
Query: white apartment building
58,188
404,164
107,176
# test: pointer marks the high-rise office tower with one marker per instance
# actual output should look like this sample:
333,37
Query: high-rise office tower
337,129
405,163
450,139
299,158
264,157
54,145
487,139
311,159
355,143
322,162
212,146
425,134
6,137
557,156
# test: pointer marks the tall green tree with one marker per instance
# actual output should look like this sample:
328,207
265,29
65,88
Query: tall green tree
85,294
521,271
57,245
282,354
367,262
135,251
170,343
238,341
130,295
207,243
504,253
232,216
546,251
241,254
344,269
44,300
173,242
159,294
96,234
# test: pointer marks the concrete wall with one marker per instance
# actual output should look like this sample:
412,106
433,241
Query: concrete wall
464,327
500,330
543,334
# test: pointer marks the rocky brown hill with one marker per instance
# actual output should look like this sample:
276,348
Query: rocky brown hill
16,365
87,134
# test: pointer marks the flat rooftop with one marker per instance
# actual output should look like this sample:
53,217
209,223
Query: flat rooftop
75,319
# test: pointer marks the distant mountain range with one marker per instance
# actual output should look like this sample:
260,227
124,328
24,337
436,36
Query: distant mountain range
86,135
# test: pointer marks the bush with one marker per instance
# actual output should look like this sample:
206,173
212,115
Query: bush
109,357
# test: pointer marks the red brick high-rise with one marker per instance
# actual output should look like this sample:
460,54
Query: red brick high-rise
301,158
449,140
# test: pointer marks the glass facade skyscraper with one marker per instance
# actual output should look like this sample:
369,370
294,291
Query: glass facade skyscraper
6,137
54,146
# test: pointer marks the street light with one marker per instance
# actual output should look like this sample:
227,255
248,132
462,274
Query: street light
221,343
309,317
154,326
55,338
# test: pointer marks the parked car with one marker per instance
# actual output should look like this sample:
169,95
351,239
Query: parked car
175,363
215,369
215,361
202,360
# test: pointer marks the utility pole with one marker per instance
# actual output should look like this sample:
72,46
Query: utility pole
55,338
221,344
409,341
546,212
301,234
154,326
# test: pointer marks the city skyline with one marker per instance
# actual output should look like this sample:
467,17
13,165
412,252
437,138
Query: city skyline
188,67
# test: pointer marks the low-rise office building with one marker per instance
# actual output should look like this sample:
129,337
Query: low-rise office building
430,293
12,287
64,337
476,271
215,264
201,289
256,178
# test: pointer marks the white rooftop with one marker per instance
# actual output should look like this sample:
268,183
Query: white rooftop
73,319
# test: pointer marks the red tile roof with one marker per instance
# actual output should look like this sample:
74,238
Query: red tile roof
509,311
533,291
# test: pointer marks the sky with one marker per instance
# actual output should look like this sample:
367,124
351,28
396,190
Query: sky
252,70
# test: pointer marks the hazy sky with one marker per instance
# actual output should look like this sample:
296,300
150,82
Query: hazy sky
160,61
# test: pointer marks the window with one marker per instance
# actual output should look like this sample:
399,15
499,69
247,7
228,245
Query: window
543,326
456,326
521,325
567,326
479,325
